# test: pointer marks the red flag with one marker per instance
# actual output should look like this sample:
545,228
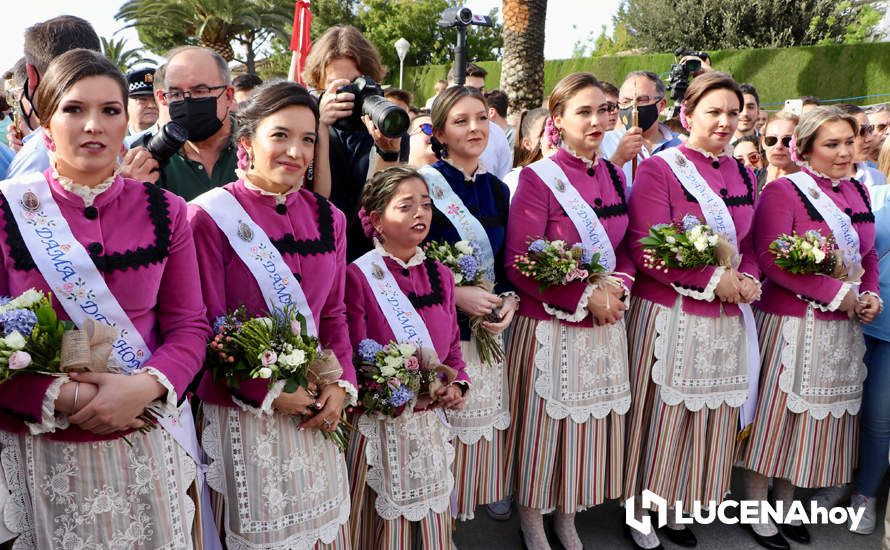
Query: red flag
300,42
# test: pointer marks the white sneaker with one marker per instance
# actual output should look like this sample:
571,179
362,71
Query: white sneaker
867,523
829,497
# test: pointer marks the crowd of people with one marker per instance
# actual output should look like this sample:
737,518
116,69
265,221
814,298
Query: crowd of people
549,399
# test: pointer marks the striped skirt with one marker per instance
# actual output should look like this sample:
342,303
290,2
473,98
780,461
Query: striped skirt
674,452
559,464
368,530
795,446
479,442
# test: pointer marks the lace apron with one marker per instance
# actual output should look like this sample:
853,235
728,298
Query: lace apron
822,365
299,488
700,360
486,406
409,464
582,372
103,495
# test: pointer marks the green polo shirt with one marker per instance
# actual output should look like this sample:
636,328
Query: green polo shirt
188,178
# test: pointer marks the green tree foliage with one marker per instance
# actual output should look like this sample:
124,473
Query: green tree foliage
216,24
123,59
385,21
656,25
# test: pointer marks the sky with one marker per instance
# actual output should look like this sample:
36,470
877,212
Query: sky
563,27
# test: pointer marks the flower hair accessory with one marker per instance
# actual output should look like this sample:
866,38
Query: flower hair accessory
48,141
551,133
243,157
792,150
367,226
683,121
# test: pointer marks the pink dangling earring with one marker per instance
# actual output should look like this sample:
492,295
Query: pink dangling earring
48,141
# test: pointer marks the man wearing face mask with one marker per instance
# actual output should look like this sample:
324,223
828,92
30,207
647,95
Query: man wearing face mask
649,136
44,42
198,94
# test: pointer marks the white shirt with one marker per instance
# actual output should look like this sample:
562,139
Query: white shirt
869,176
613,137
498,156
32,157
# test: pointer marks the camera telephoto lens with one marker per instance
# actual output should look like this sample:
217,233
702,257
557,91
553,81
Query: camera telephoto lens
167,141
390,119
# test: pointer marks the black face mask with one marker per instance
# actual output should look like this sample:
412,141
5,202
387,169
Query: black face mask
647,115
26,115
197,116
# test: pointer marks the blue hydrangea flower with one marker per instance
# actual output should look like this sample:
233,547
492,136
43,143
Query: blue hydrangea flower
367,350
400,396
18,320
218,323
468,267
690,221
4,300
538,245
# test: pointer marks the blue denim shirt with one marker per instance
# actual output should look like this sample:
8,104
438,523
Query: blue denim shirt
880,203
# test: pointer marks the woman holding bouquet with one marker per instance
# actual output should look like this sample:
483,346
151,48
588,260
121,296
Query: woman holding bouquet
693,347
805,433
263,243
112,250
568,437
400,464
470,205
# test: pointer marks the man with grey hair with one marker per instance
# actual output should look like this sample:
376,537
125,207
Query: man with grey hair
198,94
649,136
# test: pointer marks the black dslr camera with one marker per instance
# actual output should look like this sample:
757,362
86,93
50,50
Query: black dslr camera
390,119
681,71
165,142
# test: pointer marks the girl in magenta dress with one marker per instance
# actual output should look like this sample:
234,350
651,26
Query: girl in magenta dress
284,484
400,468
806,429
76,481
690,331
568,349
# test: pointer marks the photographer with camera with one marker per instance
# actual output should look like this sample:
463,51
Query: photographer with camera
359,131
649,136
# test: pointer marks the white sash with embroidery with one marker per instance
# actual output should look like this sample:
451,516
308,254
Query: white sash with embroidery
593,233
277,283
838,221
81,290
410,456
468,227
717,216
407,325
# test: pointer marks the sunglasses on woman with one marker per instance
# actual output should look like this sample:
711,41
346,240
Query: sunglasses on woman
866,129
426,128
770,141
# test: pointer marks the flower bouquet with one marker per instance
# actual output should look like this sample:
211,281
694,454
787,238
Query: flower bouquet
36,341
464,259
554,263
32,335
687,244
274,348
393,378
808,254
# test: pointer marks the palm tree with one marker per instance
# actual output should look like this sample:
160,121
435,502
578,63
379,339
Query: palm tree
522,69
124,59
214,24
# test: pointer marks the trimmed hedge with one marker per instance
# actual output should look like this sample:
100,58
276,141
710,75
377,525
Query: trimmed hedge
836,71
